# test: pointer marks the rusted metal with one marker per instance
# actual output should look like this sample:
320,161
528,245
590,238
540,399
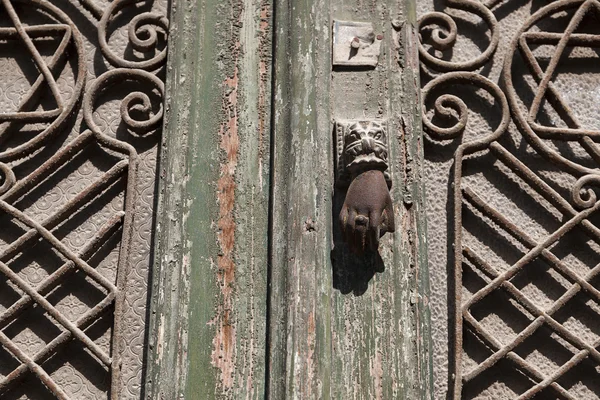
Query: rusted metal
144,23
576,210
13,188
26,112
528,125
367,212
444,36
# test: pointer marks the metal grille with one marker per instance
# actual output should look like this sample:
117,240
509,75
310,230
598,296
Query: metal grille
69,186
522,193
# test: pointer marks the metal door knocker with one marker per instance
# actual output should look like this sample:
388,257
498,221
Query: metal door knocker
367,213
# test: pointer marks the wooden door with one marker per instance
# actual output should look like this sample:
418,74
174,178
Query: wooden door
170,192
255,294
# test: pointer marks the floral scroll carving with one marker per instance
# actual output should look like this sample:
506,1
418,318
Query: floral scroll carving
538,151
76,109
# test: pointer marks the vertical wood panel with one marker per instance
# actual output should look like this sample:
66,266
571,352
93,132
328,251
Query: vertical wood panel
210,274
345,329
301,281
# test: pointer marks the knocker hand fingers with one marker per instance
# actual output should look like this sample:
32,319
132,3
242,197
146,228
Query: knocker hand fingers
344,216
361,229
347,218
375,231
387,221
389,214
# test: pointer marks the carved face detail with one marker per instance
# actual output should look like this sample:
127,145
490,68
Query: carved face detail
365,146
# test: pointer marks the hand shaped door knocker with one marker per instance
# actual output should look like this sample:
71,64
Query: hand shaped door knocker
367,213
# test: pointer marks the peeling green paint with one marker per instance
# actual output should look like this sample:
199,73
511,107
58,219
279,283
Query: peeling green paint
246,197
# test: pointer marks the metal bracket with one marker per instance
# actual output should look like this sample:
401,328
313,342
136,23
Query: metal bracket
355,44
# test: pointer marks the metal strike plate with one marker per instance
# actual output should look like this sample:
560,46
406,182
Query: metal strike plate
355,44
361,144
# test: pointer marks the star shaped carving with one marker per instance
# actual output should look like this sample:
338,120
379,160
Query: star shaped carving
547,90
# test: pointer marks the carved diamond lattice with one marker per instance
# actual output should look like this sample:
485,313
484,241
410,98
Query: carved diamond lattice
523,240
82,89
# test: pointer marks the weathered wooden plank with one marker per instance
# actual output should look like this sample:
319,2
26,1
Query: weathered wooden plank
342,327
300,279
210,275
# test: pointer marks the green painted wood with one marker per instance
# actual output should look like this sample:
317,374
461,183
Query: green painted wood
320,329
208,323
342,327
300,280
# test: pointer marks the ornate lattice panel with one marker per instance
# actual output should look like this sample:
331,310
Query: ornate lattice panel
80,111
511,92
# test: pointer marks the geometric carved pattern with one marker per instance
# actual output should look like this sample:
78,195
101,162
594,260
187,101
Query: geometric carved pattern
501,246
70,190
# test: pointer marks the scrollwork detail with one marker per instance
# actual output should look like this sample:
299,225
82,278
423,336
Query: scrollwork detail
72,45
7,178
549,143
538,135
446,103
583,195
53,166
145,23
444,36
135,101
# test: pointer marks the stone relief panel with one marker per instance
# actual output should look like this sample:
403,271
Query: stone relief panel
510,93
81,90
